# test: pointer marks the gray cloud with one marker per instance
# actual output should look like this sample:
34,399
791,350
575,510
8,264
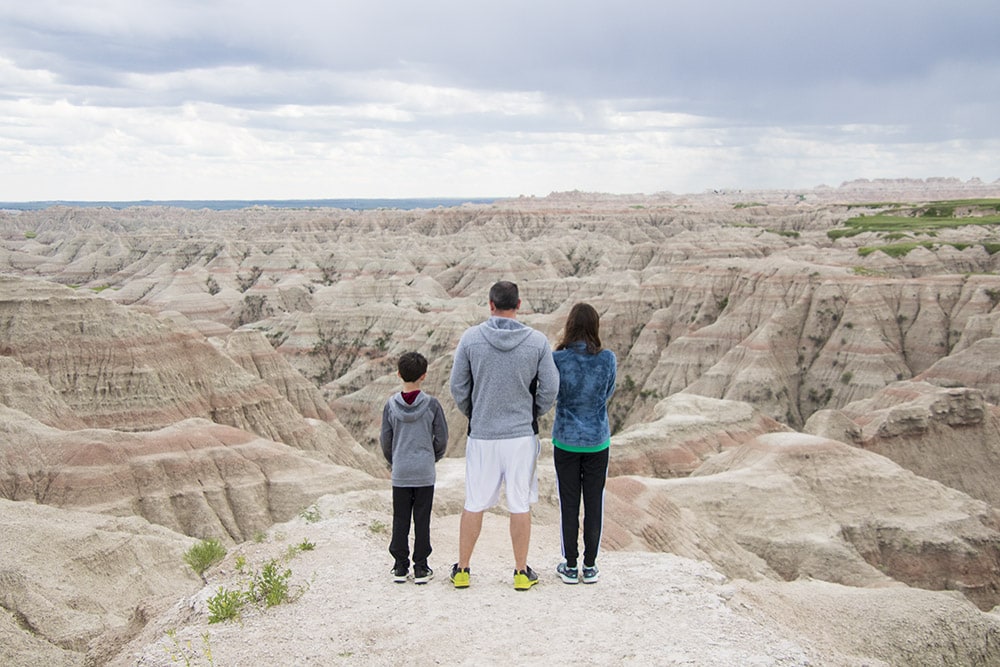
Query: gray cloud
676,75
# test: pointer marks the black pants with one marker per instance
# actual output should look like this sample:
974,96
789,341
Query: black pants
581,474
411,502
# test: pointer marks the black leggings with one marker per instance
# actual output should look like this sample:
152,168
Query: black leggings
581,474
412,502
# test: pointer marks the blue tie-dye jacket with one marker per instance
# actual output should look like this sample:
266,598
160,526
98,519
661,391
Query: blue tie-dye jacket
586,382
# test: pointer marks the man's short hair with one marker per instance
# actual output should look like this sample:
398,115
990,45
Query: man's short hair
411,366
503,295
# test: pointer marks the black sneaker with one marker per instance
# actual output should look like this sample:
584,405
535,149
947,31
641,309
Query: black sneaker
399,574
591,574
422,574
524,579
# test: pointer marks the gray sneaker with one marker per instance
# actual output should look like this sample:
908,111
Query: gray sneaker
567,574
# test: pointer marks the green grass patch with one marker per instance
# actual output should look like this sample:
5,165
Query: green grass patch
923,219
902,249
784,232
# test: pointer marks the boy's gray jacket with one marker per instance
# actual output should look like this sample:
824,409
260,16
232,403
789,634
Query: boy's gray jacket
414,437
503,378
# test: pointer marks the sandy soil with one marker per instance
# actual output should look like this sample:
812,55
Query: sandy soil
647,608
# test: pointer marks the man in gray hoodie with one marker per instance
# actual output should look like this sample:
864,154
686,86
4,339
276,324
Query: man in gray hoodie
503,379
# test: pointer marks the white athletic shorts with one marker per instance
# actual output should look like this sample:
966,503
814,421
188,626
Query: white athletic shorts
512,461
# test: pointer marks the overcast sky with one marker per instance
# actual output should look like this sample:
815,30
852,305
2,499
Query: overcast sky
247,99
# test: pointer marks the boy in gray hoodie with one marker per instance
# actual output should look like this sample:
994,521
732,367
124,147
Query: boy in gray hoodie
414,437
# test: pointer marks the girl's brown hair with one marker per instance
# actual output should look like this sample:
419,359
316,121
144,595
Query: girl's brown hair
582,325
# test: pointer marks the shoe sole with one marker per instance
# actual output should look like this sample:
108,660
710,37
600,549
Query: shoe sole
399,580
591,580
422,580
524,585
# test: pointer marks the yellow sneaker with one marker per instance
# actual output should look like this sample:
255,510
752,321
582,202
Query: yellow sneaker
524,579
459,576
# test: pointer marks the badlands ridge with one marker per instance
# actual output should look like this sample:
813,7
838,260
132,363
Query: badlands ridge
804,465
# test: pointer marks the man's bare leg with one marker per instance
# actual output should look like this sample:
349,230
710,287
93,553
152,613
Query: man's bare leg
469,528
520,537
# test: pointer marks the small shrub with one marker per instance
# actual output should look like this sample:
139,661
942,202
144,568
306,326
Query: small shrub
270,586
847,377
378,527
204,555
225,605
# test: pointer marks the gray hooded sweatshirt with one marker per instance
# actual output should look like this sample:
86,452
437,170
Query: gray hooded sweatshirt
503,378
414,437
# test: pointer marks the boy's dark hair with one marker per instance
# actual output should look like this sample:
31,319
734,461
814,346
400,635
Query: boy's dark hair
411,366
504,296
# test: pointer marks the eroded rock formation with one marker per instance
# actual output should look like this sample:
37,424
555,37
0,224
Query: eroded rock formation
217,372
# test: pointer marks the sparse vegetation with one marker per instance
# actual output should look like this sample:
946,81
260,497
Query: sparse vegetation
185,652
204,555
378,527
865,271
790,233
311,514
247,281
265,588
902,249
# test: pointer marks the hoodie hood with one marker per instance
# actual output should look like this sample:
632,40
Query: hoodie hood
504,333
409,412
